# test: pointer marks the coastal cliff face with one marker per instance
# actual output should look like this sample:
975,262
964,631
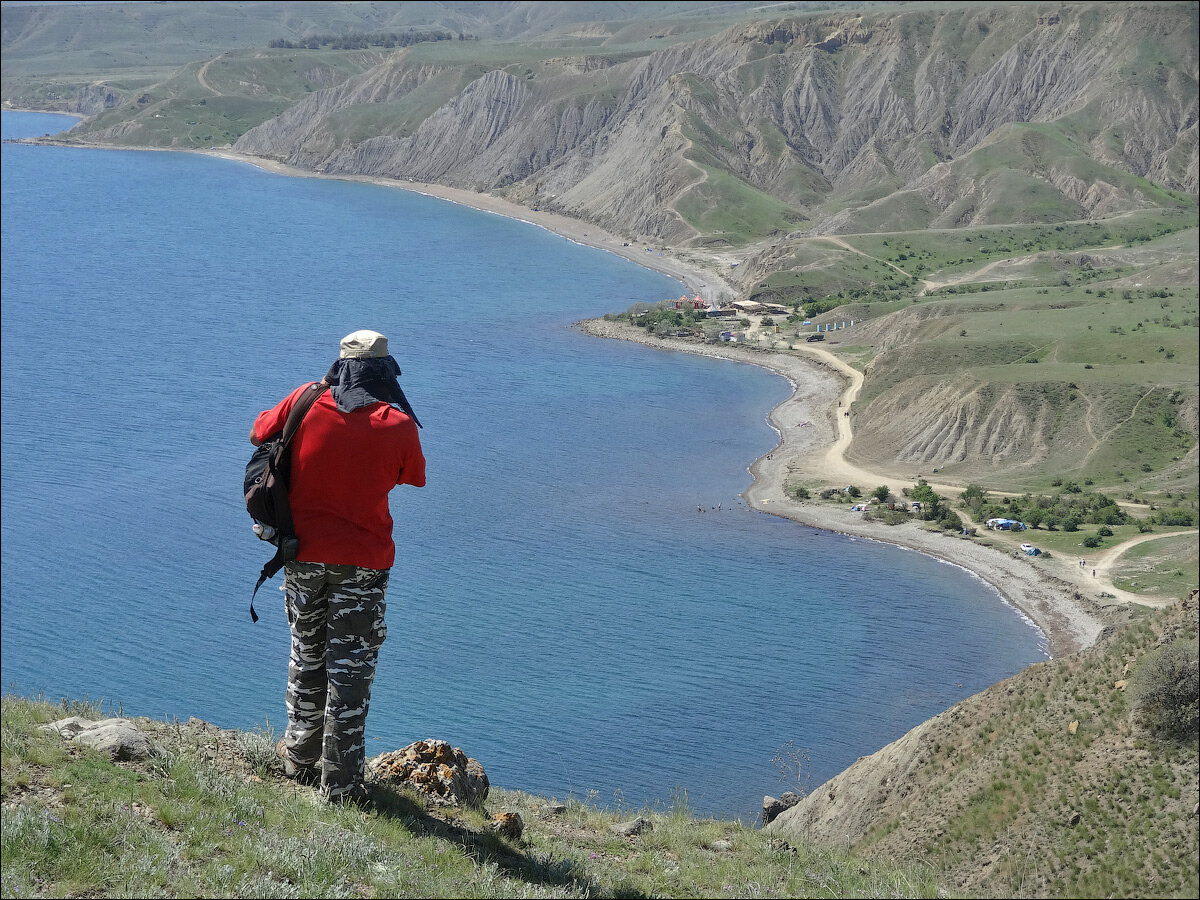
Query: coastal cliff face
967,116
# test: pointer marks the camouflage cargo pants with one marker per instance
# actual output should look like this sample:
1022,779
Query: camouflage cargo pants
336,619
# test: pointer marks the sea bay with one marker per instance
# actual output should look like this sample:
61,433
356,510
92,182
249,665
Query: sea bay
559,608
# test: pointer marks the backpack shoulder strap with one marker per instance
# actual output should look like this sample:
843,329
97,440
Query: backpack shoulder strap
300,410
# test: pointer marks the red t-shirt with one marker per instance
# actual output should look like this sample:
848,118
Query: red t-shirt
343,467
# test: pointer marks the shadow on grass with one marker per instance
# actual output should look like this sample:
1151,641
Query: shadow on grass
487,847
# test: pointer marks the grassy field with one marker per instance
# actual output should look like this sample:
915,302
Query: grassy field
1161,567
1050,770
947,251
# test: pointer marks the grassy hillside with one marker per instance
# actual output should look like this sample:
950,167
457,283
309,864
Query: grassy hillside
1014,355
1067,780
211,815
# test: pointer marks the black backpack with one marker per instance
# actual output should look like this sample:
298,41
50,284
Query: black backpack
266,490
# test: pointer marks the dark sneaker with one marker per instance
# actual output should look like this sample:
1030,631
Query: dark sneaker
308,775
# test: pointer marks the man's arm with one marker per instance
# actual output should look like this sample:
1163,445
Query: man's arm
254,437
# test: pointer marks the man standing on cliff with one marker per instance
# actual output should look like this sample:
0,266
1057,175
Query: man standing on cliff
357,442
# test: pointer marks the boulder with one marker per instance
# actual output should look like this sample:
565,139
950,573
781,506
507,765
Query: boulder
69,727
508,824
120,738
772,807
631,828
442,773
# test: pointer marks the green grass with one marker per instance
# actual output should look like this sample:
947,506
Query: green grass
729,211
1100,809
210,815
958,250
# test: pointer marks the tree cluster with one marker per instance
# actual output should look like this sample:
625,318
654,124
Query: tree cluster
663,317
360,41
1066,510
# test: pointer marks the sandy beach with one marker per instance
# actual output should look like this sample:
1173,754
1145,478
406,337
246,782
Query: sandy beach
809,426
699,276
1062,604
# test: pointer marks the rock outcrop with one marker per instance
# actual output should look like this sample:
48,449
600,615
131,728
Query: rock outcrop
442,773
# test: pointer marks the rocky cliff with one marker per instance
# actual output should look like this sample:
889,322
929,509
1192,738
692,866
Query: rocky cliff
964,115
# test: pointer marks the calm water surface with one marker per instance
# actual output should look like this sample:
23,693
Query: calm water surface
558,607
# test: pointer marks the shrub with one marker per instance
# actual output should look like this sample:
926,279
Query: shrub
1176,516
798,492
949,520
1163,691
1091,541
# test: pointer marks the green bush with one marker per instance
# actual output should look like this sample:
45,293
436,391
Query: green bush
1176,516
1163,691
1091,541
949,520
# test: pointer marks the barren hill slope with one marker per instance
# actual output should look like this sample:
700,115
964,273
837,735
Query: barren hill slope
962,115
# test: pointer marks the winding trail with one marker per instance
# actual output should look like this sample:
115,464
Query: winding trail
1103,565
203,71
832,466
833,239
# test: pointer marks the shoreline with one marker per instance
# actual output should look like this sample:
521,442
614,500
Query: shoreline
696,278
806,422
807,426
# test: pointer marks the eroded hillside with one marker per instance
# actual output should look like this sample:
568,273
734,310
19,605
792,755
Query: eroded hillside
880,122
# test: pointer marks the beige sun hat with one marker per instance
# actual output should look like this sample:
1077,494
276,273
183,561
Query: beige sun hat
364,345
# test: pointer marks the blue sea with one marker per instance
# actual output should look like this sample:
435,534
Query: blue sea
558,608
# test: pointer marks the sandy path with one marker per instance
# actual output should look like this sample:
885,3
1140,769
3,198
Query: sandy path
1102,565
201,72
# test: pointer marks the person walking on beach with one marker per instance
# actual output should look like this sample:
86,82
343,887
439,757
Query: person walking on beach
357,442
